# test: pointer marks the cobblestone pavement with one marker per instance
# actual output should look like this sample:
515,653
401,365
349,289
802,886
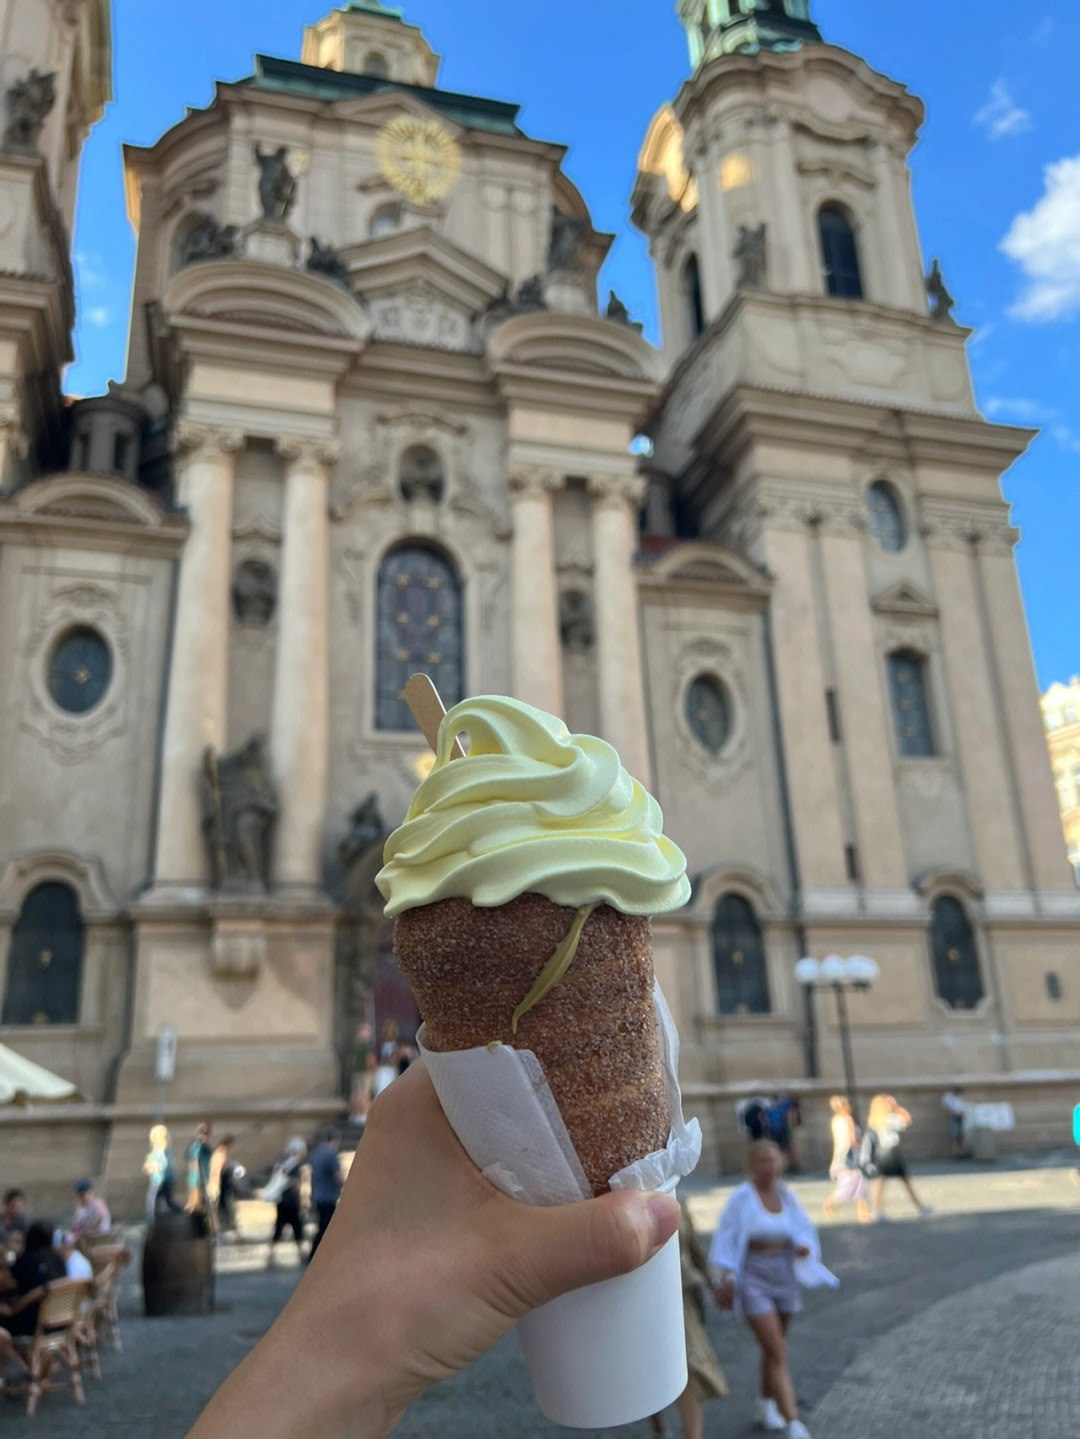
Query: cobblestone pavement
961,1324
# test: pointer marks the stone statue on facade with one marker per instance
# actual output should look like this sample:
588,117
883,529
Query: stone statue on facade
941,302
361,924
254,593
277,185
749,257
239,807
564,248
207,240
324,260
617,312
28,102
576,626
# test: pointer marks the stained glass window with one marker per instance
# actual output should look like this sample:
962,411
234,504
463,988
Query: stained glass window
838,253
419,627
911,709
742,985
44,979
957,977
885,517
80,670
708,712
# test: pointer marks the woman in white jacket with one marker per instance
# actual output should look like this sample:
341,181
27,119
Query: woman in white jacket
764,1248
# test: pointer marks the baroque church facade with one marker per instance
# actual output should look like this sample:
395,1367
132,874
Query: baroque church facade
374,421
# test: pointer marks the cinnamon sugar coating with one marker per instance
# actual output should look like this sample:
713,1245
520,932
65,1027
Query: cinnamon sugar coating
594,1033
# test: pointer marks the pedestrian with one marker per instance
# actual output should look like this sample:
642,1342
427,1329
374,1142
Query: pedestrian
386,1071
764,1248
284,1189
429,1264
706,1378
91,1217
224,1173
885,1123
13,1222
326,1183
956,1112
782,1120
200,1152
844,1169
158,1168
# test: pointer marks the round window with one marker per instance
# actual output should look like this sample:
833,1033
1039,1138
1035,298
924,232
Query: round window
885,516
80,670
708,712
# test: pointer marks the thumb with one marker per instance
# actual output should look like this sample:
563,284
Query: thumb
576,1244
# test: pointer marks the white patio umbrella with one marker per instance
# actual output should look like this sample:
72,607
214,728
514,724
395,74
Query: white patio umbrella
21,1080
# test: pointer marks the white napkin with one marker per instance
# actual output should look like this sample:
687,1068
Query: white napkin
501,1108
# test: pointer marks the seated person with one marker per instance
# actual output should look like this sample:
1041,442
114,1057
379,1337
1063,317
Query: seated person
12,1222
91,1215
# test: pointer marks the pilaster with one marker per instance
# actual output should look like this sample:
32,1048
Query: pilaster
535,658
299,720
616,500
197,694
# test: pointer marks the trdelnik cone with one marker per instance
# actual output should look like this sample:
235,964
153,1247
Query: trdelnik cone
521,884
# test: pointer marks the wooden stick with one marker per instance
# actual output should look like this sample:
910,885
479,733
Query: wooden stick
427,710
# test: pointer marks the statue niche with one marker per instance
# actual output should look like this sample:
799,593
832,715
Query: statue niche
239,807
420,475
749,257
277,185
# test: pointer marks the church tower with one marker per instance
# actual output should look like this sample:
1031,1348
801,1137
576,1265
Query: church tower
819,424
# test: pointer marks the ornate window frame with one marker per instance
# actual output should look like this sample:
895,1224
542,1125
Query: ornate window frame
886,484
78,603
967,892
100,915
437,547
711,657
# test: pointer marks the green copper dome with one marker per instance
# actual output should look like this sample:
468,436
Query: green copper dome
728,27
375,7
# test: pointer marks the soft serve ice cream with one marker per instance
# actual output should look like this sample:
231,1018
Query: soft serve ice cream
532,808
521,882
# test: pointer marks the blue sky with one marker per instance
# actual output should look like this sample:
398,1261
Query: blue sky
996,182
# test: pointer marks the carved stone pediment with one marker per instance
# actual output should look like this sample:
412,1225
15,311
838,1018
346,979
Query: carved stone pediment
417,314
701,567
906,601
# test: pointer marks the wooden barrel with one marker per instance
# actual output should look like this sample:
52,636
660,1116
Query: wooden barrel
177,1265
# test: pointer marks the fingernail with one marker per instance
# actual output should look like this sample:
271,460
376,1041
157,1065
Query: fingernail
663,1212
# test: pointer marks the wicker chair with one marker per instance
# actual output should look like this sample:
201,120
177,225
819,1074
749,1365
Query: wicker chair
56,1339
100,1313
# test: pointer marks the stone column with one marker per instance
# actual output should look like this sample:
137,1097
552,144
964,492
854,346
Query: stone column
536,654
620,678
299,719
196,711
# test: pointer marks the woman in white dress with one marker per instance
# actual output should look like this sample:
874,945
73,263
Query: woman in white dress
764,1248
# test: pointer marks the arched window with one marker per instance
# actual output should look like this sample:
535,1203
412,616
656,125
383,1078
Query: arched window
377,64
910,704
742,986
385,221
418,627
708,712
838,254
885,517
44,979
691,286
957,976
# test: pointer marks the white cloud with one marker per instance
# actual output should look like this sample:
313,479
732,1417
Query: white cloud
1018,407
99,316
1067,438
1045,243
1001,115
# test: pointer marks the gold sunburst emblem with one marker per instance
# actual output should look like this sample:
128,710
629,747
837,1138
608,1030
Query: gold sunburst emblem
420,158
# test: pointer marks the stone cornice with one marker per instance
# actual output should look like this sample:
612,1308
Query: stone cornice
90,513
963,525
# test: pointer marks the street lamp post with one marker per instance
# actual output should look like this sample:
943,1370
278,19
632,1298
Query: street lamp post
840,975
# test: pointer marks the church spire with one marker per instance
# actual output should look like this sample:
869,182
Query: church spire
726,27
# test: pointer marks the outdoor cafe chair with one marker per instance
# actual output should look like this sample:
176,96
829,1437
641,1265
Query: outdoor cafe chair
56,1339
100,1315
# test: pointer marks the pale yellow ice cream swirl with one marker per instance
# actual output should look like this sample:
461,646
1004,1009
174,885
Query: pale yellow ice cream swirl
530,809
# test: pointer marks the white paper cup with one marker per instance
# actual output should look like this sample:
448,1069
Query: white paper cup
614,1352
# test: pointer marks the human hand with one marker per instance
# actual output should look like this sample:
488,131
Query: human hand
801,1251
424,1267
724,1292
